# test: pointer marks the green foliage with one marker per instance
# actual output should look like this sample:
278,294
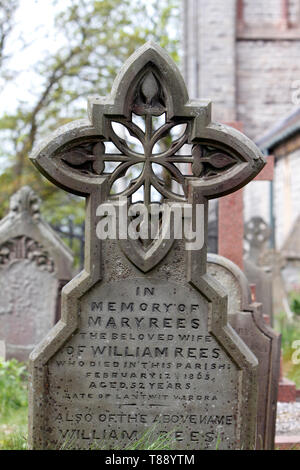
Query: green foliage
290,331
7,10
295,302
148,441
13,405
13,386
13,441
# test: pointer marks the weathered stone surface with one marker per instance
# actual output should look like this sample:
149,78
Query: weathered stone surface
28,306
143,357
144,338
262,278
256,233
274,263
233,281
34,262
247,319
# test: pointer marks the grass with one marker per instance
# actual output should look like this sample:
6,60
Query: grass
14,411
148,441
13,405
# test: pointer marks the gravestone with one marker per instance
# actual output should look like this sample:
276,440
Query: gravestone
230,215
273,261
262,278
246,318
144,342
34,264
257,232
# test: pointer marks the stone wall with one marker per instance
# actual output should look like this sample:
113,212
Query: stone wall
266,12
249,80
265,72
244,55
294,12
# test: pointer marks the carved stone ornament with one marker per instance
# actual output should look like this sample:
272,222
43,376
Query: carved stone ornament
25,200
140,133
25,248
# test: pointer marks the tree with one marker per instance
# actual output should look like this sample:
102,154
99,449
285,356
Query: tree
7,10
95,38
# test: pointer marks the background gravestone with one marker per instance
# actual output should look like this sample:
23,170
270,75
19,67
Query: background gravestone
34,264
262,278
257,233
247,319
144,341
274,262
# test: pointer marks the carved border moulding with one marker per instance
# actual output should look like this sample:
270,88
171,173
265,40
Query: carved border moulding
77,158
264,342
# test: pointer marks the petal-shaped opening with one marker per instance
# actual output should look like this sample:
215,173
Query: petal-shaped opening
159,147
155,195
177,188
110,167
139,121
171,139
131,141
157,170
111,148
184,168
165,182
177,131
138,196
126,179
158,121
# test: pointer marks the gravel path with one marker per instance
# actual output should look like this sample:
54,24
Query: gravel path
288,419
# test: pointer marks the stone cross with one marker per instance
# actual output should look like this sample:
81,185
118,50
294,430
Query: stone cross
34,265
257,232
143,342
246,318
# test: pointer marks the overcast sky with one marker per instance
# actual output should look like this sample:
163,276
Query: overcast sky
34,22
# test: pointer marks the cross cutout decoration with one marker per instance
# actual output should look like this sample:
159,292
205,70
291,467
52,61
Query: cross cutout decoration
148,101
148,131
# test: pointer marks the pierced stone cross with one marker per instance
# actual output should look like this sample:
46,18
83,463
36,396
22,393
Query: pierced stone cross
147,312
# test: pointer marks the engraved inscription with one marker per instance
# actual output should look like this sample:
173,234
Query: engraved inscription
143,358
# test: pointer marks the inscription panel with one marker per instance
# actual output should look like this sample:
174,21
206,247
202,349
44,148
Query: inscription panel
142,358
